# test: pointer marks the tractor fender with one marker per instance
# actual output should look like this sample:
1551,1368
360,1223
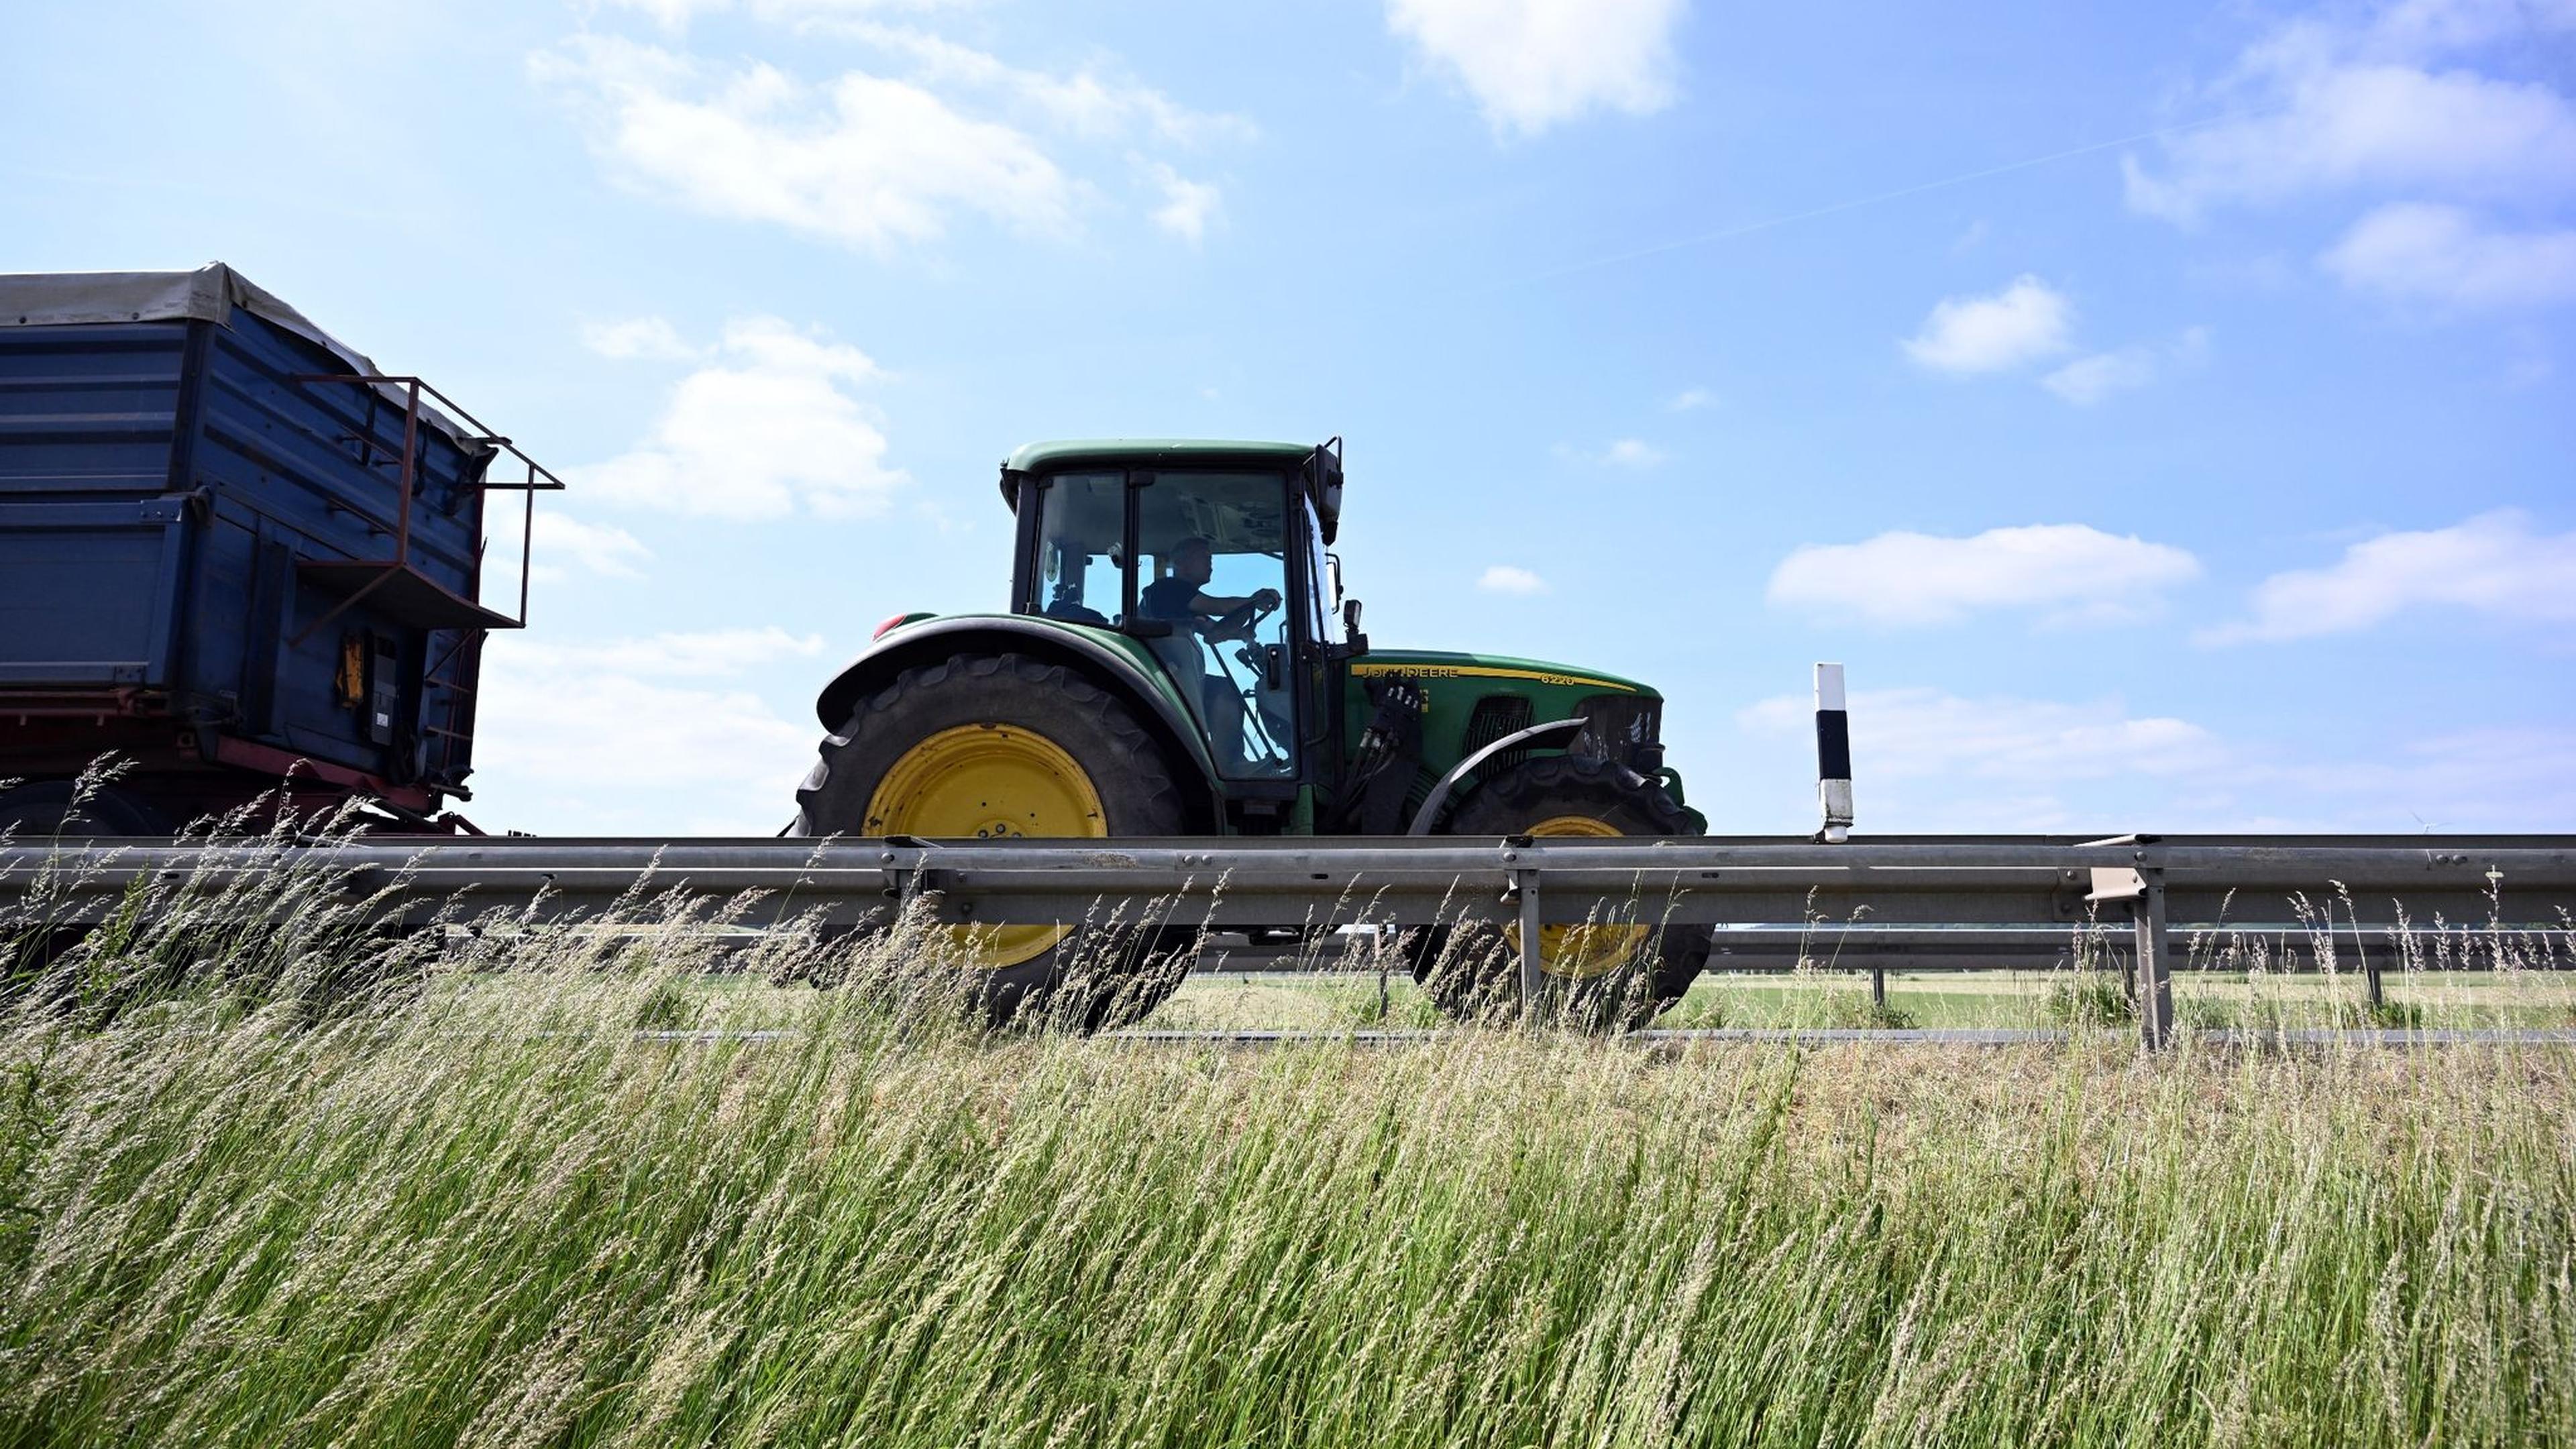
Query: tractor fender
934,639
1429,814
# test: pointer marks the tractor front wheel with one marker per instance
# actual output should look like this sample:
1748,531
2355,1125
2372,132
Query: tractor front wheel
1616,973
998,747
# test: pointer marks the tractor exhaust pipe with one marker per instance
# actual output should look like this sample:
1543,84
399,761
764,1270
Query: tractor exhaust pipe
1833,755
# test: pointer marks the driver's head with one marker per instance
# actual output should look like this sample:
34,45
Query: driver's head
1191,560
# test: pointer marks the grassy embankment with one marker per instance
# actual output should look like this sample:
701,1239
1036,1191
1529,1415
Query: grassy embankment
487,1209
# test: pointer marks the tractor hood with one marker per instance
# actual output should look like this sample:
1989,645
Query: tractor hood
1503,669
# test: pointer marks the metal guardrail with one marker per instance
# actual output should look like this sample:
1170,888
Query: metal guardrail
1920,902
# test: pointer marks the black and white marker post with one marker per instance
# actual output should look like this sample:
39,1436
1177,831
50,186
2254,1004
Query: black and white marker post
1833,755
1833,786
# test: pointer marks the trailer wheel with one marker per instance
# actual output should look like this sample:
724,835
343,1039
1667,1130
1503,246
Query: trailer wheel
997,747
1617,973
42,809
52,810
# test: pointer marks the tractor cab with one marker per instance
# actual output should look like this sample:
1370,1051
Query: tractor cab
1209,557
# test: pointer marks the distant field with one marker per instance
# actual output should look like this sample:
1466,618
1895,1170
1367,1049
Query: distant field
1330,999
489,1209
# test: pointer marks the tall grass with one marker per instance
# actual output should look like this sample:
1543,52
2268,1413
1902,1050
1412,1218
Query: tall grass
553,1191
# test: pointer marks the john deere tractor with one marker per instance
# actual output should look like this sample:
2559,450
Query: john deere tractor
1178,660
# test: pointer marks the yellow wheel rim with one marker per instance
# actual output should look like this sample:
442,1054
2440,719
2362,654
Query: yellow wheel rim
1581,952
988,782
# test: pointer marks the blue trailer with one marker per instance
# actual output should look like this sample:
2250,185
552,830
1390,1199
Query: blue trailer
235,555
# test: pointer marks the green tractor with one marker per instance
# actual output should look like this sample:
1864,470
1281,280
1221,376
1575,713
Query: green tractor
1178,661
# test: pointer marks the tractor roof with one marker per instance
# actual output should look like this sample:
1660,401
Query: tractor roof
1325,483
1081,452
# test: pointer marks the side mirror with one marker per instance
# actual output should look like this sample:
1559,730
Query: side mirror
1353,639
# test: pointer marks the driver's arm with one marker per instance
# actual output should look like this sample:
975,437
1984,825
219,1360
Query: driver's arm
1222,604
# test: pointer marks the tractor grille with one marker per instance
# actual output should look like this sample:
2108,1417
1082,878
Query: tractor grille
1495,716
1624,728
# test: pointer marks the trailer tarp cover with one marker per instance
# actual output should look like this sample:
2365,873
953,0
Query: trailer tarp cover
208,294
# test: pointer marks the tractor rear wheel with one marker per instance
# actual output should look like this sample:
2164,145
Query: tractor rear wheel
1002,746
1616,974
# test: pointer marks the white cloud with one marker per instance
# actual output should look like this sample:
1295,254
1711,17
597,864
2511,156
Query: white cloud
1532,64
2331,102
676,14
1691,399
1505,579
2067,571
600,548
691,655
1084,103
864,160
2020,324
2088,380
1188,205
768,426
1929,734
2401,103
2370,126
1925,759
2419,251
2495,564
563,545
651,338
874,159
645,743
2492,778
2435,27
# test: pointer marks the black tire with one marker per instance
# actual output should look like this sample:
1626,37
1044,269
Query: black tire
1099,976
1473,972
44,809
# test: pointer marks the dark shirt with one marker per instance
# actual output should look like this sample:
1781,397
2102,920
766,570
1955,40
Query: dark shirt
1168,599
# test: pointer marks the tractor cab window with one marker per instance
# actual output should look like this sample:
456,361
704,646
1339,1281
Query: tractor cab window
1082,531
1212,561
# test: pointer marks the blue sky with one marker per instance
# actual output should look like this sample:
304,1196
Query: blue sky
2165,412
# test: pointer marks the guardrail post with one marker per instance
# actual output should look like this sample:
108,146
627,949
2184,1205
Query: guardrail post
2142,887
2155,961
1533,982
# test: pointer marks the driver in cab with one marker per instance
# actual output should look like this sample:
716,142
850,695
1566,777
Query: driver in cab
1177,597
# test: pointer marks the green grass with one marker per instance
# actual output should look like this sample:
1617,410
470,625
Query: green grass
486,1209
547,1190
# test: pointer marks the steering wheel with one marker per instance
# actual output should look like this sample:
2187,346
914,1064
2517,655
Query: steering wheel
1236,623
